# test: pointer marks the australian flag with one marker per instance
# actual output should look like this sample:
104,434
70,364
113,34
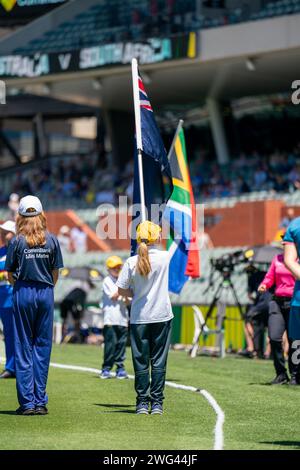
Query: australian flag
157,174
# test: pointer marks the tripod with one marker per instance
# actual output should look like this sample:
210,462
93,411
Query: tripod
224,288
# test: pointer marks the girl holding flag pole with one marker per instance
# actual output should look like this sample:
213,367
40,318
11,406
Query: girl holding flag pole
144,276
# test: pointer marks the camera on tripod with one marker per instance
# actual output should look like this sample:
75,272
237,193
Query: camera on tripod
254,260
227,262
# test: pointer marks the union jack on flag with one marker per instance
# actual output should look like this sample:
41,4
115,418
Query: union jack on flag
156,168
144,100
152,143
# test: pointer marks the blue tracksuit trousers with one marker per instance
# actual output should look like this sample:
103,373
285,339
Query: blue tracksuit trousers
33,327
6,315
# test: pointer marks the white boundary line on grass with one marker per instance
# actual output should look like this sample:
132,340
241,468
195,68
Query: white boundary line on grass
218,431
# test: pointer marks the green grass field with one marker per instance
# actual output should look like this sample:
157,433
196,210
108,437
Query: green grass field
88,413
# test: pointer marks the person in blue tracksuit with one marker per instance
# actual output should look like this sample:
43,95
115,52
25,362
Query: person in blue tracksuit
33,260
7,231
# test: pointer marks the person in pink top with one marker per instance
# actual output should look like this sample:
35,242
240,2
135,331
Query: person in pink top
283,281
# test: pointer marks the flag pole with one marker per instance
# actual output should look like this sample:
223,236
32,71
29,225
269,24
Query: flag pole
138,130
179,127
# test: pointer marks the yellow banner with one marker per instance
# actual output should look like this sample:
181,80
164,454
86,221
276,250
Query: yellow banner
8,4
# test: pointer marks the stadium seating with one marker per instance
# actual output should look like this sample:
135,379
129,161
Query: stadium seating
119,20
289,199
248,178
283,7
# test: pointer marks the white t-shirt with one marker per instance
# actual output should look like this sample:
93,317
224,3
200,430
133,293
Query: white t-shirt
64,242
151,302
115,311
79,238
204,241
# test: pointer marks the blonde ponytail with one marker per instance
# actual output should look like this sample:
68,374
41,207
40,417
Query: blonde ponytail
143,263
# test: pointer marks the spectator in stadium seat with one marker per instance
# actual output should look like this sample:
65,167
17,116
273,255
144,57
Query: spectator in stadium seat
290,215
105,196
260,177
241,186
90,195
297,185
69,188
79,238
294,174
241,162
280,184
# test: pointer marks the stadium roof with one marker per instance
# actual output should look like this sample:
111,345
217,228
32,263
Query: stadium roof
28,106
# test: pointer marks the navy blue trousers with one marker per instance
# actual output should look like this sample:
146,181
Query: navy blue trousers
33,328
294,324
6,315
115,338
150,346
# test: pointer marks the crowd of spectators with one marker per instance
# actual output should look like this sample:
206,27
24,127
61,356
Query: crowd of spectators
73,178
79,178
278,172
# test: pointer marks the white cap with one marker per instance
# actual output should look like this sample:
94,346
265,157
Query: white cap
14,197
30,202
9,226
64,229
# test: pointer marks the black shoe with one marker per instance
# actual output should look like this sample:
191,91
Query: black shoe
7,375
293,380
280,379
25,412
246,353
41,410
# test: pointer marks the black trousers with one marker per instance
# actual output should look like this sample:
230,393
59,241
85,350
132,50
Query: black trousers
257,315
279,312
115,339
150,346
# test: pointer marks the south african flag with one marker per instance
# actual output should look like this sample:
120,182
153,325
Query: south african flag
181,215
